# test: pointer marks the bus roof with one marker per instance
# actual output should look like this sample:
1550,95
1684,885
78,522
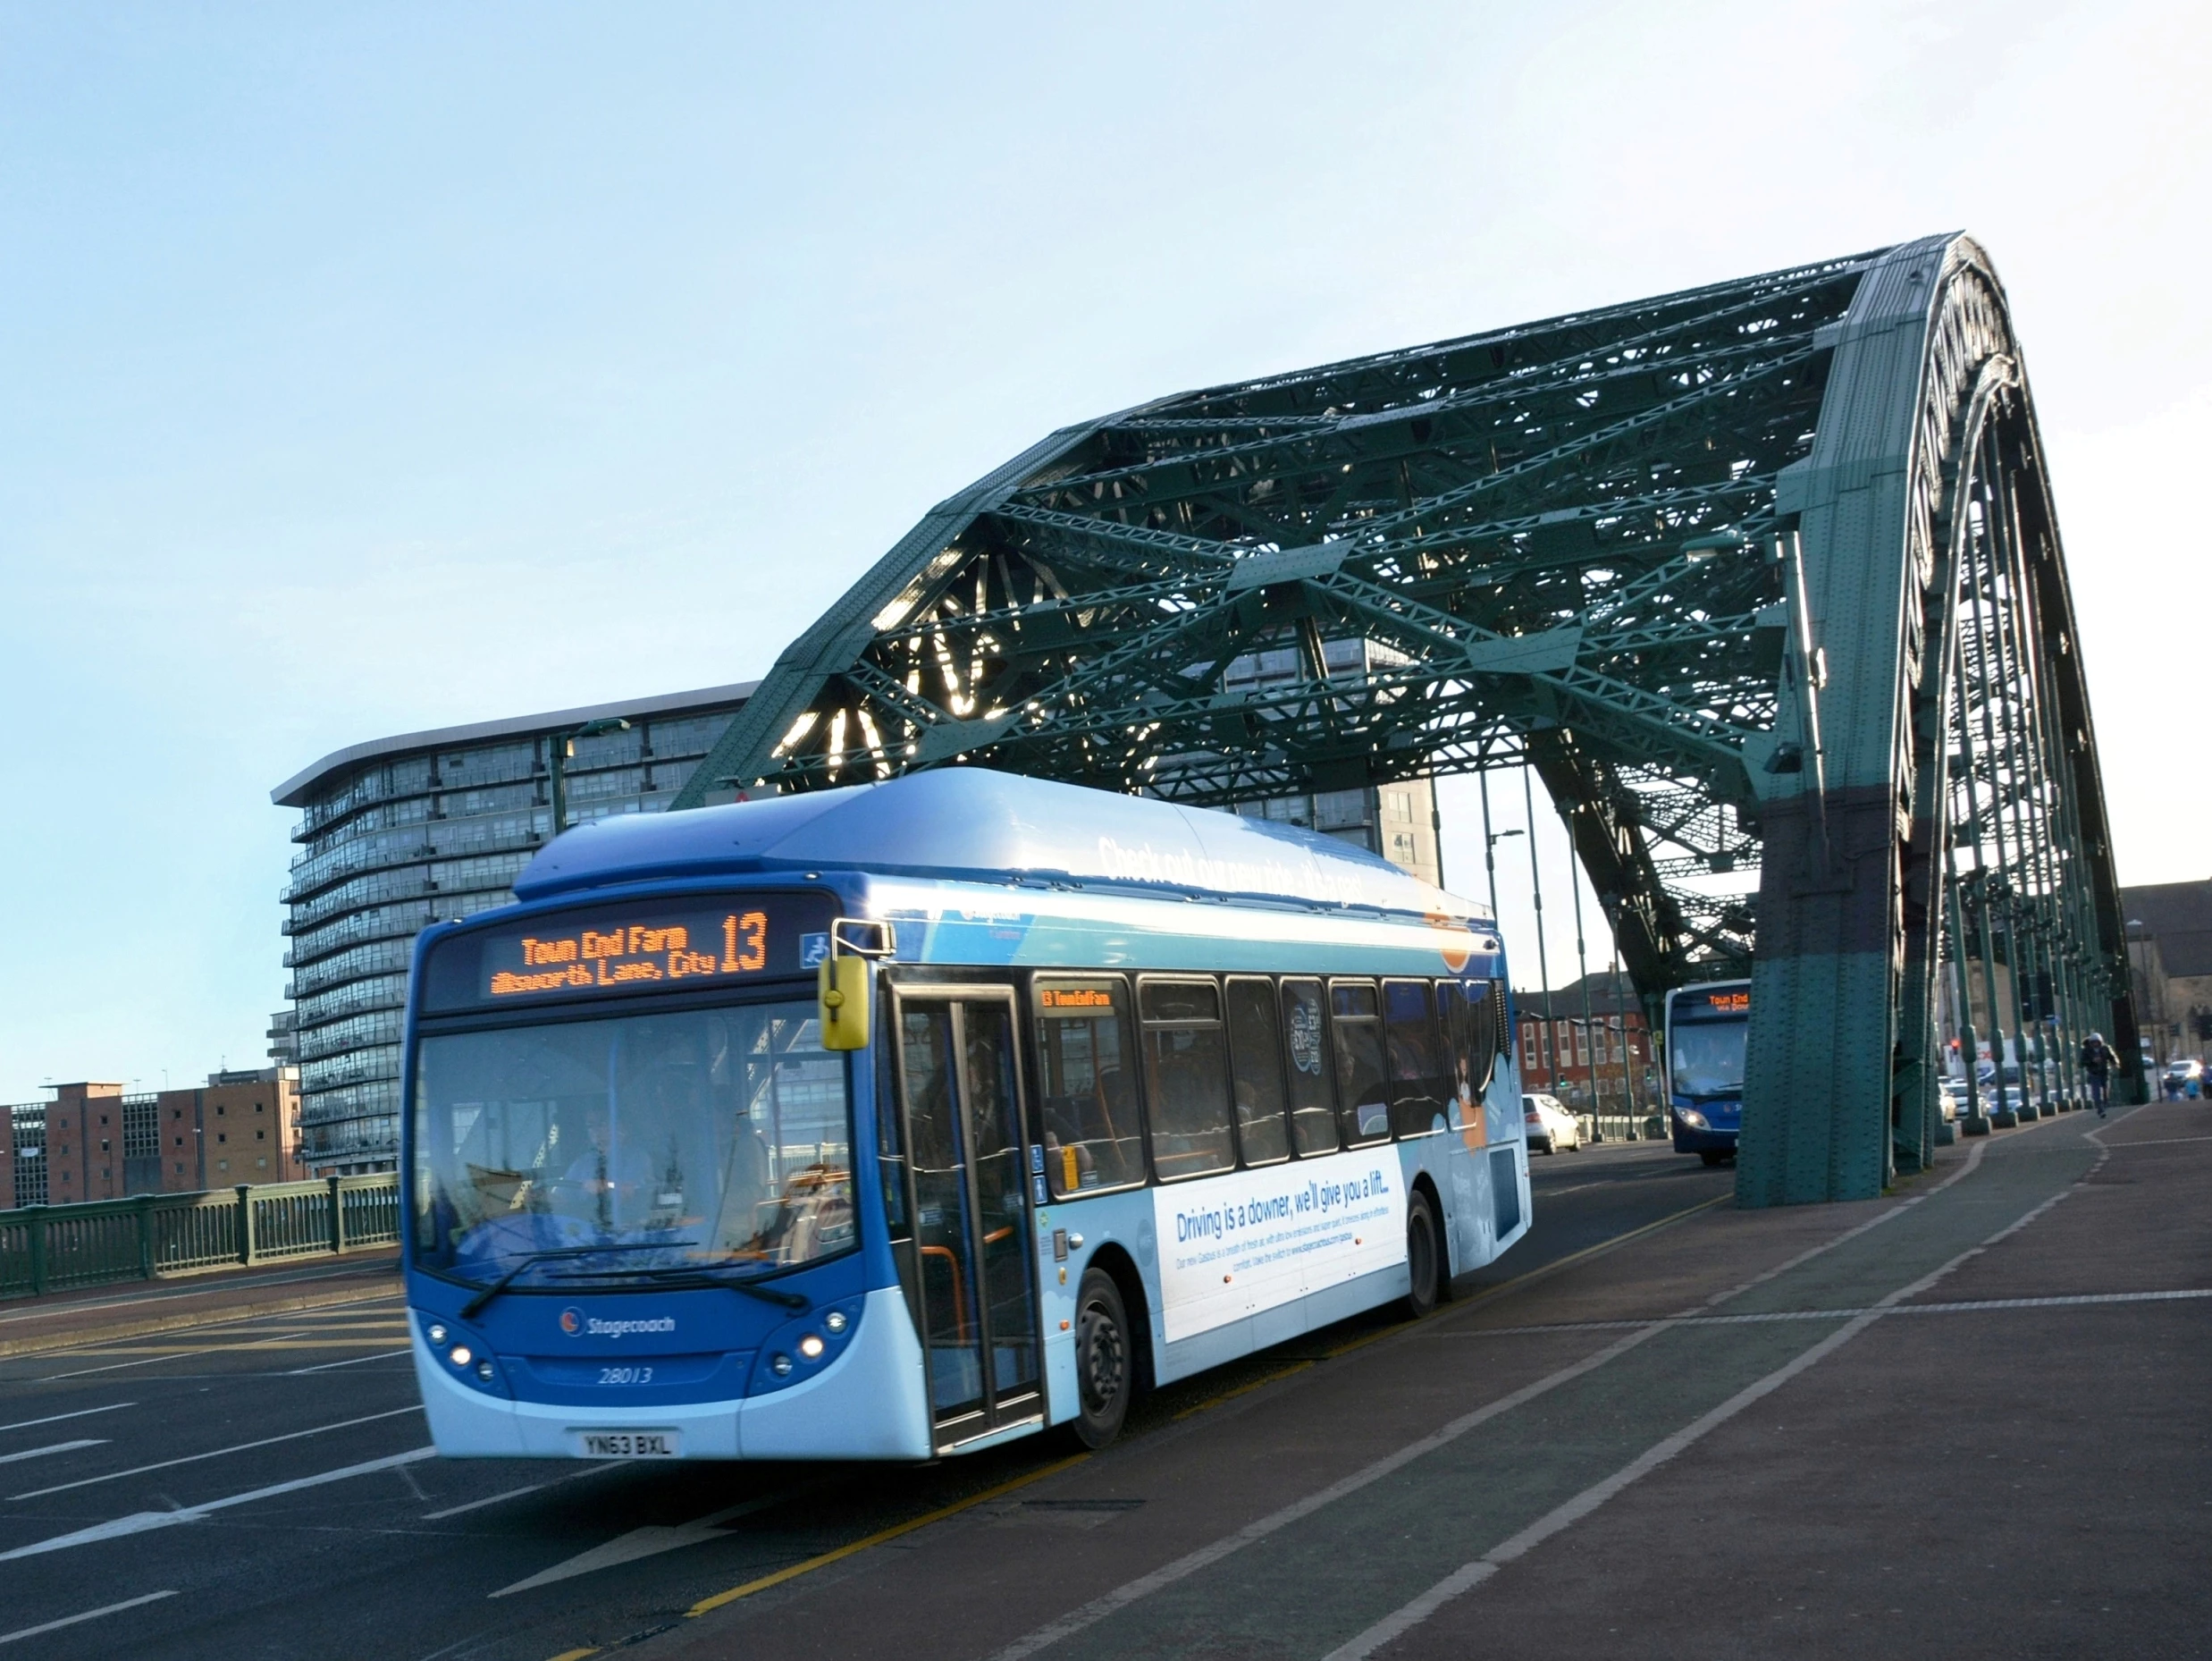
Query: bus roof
973,824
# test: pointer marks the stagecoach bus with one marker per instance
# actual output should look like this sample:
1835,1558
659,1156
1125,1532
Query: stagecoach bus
1706,1027
902,1119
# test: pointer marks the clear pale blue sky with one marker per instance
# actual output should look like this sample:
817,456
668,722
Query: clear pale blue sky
372,367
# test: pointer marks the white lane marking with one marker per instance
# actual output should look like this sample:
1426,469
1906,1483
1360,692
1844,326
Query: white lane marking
110,1349
82,1412
142,1521
54,1448
351,1361
1974,1306
193,1459
85,1372
1144,1586
2152,1142
90,1304
1468,1576
90,1614
516,1493
646,1542
1205,1557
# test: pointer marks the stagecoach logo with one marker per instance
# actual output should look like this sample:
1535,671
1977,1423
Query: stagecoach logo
574,1322
1306,1036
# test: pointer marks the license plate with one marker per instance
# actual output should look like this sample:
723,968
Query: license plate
629,1444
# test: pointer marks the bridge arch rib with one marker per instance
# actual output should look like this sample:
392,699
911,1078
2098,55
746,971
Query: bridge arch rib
1763,578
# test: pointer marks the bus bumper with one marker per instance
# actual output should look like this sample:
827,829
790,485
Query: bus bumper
1701,1138
868,1404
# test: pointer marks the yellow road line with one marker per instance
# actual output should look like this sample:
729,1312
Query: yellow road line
221,1349
66,1343
720,1600
797,1569
1244,1389
574,1655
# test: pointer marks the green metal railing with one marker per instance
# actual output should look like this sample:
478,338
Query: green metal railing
54,1248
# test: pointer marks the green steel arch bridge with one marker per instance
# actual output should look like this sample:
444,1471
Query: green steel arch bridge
1763,579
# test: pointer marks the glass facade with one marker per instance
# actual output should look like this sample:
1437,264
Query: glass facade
404,832
1396,820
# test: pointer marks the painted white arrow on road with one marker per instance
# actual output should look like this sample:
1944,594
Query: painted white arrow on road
646,1542
141,1522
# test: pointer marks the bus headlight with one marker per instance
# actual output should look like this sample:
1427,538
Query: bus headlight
483,1369
835,1320
461,1355
437,1333
1692,1117
780,1366
811,1346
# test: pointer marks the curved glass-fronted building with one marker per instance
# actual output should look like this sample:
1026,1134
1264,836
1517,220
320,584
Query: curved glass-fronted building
401,832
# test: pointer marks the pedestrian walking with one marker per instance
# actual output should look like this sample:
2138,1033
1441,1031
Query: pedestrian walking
2097,1058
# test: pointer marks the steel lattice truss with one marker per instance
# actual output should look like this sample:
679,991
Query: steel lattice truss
1620,546
1504,517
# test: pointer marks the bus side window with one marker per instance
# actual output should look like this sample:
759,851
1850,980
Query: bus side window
1306,1033
1465,1013
1085,1087
1416,1069
1362,1110
1256,1069
1186,1065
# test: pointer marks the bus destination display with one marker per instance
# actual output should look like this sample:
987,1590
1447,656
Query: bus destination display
631,954
1696,1005
646,947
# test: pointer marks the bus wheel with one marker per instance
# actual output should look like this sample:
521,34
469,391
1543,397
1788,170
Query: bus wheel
1712,1156
1422,1259
1102,1360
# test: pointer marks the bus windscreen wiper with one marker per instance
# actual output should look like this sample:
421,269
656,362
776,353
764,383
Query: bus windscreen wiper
468,1309
703,1275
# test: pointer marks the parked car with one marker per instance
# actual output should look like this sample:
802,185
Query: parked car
1953,1099
1551,1126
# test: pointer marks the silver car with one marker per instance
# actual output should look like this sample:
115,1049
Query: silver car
1550,1126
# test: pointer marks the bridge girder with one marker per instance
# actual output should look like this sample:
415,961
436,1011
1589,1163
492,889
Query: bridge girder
1738,571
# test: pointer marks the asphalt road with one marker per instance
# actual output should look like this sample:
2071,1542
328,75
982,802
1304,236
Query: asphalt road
267,1488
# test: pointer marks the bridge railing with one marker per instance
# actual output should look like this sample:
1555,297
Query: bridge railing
54,1248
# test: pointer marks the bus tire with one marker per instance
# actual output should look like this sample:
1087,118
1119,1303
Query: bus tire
1105,1362
1424,1256
1713,1156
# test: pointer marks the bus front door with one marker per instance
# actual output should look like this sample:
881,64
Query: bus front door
960,1088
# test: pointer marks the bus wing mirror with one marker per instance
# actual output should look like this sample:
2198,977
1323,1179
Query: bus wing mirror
845,992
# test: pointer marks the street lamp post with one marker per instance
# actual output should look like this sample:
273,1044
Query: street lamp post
560,749
2147,1018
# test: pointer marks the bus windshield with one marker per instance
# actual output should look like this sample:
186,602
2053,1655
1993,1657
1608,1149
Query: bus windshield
1708,1058
638,1146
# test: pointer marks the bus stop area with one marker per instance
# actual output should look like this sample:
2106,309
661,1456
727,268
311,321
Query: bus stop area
1967,1419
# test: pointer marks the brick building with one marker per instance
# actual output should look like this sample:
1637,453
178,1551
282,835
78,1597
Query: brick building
2170,961
94,1141
1559,1052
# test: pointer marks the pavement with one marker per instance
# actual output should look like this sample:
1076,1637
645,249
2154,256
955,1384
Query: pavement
1968,1420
